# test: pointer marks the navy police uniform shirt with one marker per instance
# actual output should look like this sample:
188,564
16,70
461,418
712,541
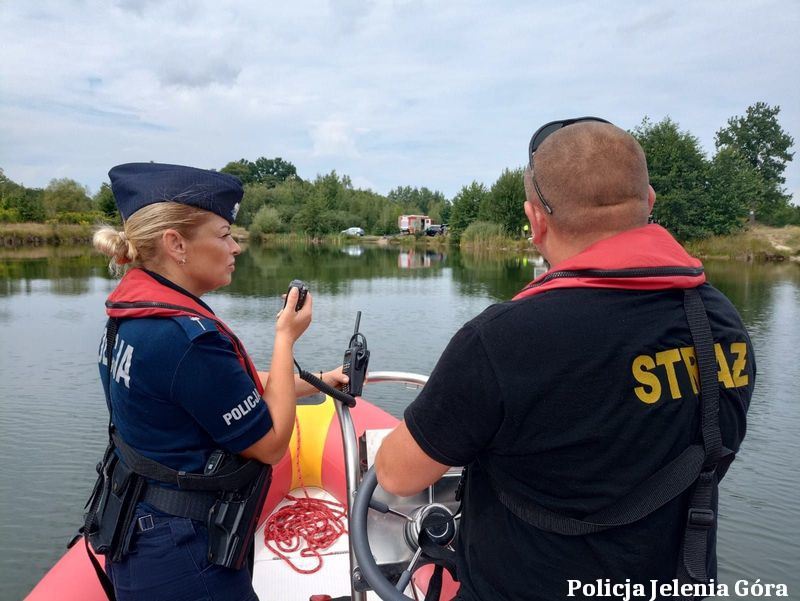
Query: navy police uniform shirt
178,391
571,398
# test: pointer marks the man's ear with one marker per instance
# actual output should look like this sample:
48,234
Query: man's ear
651,198
537,220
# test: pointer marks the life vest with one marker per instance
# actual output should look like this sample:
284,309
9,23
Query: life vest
648,258
645,258
140,295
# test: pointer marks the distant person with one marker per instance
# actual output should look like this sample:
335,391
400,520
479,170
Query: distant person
563,401
188,408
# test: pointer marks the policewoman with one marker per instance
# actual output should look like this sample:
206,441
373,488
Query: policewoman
194,426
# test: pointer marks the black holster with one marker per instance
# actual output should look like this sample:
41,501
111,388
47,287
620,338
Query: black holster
110,508
233,519
240,486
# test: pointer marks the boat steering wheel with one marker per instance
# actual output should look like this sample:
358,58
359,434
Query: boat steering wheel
429,531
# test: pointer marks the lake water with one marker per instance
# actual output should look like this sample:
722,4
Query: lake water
53,418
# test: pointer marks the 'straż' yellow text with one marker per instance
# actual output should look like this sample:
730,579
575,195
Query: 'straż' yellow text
658,372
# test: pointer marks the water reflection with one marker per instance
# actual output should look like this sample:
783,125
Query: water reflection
414,259
333,270
353,251
498,276
751,286
414,300
264,272
66,269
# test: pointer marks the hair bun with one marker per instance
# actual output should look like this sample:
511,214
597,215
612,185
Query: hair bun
114,244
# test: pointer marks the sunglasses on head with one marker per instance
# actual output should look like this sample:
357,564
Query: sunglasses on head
539,136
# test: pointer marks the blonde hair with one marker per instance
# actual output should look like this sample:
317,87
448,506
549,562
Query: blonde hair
138,243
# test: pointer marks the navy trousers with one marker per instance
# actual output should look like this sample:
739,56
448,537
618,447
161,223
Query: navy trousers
168,562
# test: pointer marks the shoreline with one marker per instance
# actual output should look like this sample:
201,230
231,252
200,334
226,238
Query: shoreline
759,244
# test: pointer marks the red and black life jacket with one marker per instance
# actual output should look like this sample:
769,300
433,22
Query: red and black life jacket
140,295
645,258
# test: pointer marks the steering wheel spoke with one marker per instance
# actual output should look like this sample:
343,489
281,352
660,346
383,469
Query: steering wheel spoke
382,507
405,577
430,531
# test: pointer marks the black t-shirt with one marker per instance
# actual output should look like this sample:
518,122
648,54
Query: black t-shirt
571,398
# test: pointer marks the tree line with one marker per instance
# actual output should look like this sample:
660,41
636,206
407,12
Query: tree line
697,196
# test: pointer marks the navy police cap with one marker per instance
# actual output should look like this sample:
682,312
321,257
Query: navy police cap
136,185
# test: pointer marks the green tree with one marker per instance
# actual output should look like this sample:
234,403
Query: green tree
104,202
366,207
678,174
762,142
446,210
325,208
272,171
267,221
20,203
435,211
28,203
428,199
4,184
407,198
66,196
310,218
332,190
387,223
256,196
290,196
416,200
733,187
466,205
243,169
503,205
269,172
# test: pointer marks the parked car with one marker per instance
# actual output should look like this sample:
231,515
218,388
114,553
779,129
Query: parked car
436,230
353,231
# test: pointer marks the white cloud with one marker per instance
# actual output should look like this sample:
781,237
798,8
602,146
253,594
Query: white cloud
333,138
412,92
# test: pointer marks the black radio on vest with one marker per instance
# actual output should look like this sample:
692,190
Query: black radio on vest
356,359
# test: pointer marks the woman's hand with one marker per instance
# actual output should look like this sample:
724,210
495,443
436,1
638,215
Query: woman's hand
290,323
279,389
335,378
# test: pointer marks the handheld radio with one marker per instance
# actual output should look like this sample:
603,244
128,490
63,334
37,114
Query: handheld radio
356,359
301,297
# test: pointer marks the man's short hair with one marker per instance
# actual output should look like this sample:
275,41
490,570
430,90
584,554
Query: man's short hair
594,175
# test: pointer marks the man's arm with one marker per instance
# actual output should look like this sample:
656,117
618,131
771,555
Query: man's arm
403,468
454,418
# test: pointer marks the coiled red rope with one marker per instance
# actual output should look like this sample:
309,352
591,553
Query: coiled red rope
315,522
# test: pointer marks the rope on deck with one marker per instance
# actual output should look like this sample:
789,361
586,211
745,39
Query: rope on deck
315,522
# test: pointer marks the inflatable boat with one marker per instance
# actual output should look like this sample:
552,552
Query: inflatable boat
358,542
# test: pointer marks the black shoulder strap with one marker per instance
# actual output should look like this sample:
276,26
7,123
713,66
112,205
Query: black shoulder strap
668,482
112,326
701,521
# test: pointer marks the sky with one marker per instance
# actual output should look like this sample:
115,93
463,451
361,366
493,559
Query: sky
389,92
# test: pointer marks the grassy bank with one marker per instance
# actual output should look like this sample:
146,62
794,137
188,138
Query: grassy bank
38,234
759,243
482,235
